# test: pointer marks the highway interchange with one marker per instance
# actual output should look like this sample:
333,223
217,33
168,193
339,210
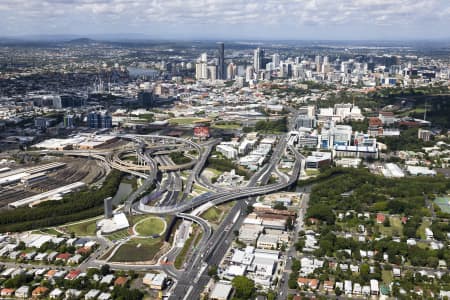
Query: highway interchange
172,199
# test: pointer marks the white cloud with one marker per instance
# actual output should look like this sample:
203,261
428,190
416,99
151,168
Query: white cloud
295,13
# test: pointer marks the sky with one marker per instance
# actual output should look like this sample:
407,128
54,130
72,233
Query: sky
230,19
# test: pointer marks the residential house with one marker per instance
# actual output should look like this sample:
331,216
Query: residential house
22,292
40,291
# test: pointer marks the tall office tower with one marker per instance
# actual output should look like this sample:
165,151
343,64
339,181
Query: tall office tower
298,60
258,57
212,72
325,60
146,98
276,60
317,62
201,67
198,71
221,74
108,207
249,73
204,57
231,71
99,120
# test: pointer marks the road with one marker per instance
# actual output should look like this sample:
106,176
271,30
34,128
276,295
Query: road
292,252
193,280
213,245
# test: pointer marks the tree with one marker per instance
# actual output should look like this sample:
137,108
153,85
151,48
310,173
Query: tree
92,271
212,272
295,267
21,246
104,270
244,287
322,212
289,224
122,293
364,270
279,206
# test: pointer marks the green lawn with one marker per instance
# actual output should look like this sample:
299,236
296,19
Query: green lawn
387,276
312,172
138,250
50,231
118,235
83,229
421,230
212,214
216,214
227,126
200,189
395,229
185,121
150,226
184,251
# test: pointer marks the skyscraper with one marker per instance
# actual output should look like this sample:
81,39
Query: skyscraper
231,71
276,60
212,72
258,57
249,73
221,74
201,67
318,61
99,120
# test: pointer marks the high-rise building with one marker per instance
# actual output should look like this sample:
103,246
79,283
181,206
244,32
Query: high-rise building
43,123
221,74
249,73
70,100
69,121
276,60
317,62
146,98
212,72
201,67
231,71
57,102
108,208
258,58
99,120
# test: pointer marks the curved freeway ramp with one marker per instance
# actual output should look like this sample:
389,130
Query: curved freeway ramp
222,197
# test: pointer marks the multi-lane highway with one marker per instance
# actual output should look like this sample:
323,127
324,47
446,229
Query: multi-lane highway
152,160
194,279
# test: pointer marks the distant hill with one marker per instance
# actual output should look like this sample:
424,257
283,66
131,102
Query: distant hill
81,41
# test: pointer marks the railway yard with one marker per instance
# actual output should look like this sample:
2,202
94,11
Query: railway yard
49,176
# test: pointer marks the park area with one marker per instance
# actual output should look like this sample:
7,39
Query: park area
83,228
150,226
138,249
187,120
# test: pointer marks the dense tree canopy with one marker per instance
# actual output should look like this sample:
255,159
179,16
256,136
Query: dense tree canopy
244,287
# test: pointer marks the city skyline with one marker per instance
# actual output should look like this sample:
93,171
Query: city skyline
318,20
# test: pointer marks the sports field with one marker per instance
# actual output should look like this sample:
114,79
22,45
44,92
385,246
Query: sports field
443,203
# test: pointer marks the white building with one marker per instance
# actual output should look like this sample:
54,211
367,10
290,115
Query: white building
227,151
